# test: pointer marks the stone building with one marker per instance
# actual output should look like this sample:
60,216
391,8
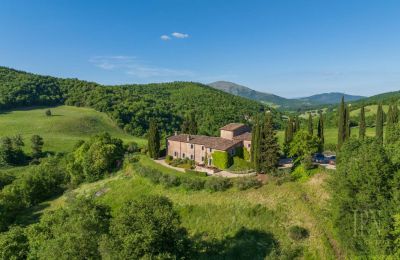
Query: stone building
200,147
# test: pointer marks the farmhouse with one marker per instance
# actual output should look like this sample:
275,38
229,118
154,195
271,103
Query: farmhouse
200,147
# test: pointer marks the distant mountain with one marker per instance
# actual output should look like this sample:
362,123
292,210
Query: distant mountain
281,102
267,98
330,98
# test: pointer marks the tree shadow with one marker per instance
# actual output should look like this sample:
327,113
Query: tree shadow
245,244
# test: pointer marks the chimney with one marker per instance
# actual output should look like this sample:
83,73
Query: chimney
176,133
188,138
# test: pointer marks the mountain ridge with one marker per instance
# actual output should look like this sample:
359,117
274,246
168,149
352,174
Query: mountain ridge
282,102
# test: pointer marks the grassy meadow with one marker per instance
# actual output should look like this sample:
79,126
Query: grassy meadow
249,224
63,129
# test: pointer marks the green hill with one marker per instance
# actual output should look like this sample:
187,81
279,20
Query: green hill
131,106
63,129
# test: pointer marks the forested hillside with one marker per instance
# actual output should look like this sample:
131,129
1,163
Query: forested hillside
131,106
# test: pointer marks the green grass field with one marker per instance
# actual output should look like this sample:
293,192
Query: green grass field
63,129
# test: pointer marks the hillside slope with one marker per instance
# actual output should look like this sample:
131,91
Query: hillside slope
131,106
63,129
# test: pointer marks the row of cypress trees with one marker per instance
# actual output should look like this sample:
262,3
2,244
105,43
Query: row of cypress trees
344,123
264,145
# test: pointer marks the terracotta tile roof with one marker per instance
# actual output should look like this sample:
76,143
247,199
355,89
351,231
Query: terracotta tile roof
243,137
217,143
232,126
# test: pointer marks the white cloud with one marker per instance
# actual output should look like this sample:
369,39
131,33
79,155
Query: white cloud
130,65
180,35
165,37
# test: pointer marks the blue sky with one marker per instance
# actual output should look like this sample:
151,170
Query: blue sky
290,48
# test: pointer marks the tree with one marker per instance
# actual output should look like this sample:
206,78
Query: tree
395,113
303,147
72,232
148,228
321,134
256,144
362,125
94,158
310,124
361,197
193,124
153,140
6,151
341,123
392,118
347,123
269,147
14,244
37,146
379,124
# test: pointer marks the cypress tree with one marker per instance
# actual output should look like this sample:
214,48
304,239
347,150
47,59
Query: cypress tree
269,147
192,124
341,124
153,140
296,125
255,145
347,123
310,124
391,125
395,113
290,130
320,130
379,124
362,125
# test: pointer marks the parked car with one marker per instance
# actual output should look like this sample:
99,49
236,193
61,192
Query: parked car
319,158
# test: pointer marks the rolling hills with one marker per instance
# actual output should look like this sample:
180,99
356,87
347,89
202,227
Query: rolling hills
131,106
303,103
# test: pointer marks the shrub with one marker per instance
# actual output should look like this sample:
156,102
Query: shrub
153,174
247,183
240,164
168,159
169,180
218,184
221,160
131,147
300,173
239,152
48,112
196,173
193,183
246,154
298,233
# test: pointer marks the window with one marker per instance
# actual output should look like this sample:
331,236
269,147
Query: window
191,157
248,145
175,154
202,158
191,146
210,150
202,147
183,155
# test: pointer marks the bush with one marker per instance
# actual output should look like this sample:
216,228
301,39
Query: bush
247,183
300,173
5,179
48,112
298,233
131,147
218,184
169,159
246,154
153,174
169,180
221,160
196,173
240,164
193,184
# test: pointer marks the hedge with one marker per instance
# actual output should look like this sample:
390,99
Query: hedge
221,160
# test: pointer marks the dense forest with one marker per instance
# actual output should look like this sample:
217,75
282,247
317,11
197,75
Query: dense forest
131,106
